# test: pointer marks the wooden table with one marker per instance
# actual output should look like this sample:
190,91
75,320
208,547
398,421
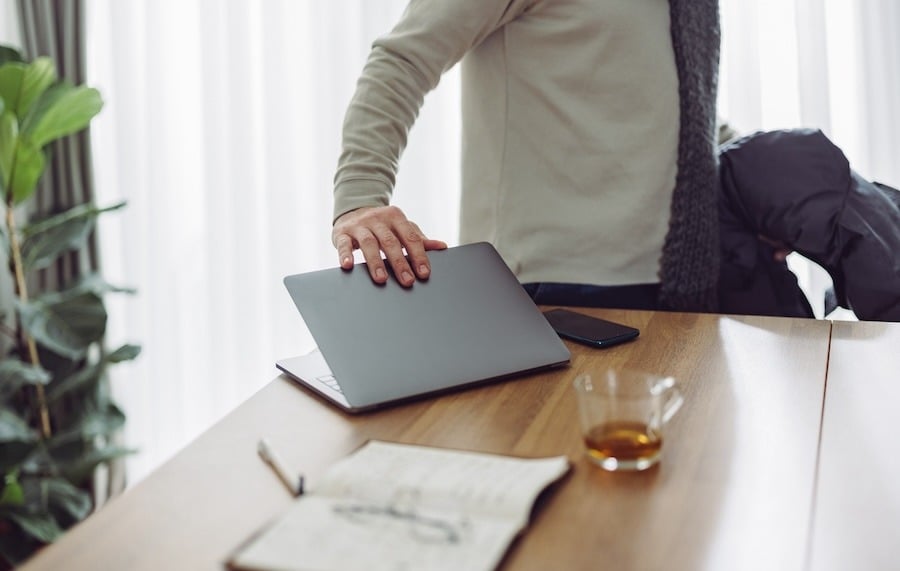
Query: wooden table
857,514
735,488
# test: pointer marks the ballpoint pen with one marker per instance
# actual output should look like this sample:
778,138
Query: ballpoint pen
294,483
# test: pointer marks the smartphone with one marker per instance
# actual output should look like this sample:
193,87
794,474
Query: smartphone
589,330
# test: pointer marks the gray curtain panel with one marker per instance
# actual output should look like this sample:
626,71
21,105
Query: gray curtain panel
55,28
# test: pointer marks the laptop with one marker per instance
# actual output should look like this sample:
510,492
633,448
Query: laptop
469,323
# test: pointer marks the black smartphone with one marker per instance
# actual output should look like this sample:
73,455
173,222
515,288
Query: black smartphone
589,330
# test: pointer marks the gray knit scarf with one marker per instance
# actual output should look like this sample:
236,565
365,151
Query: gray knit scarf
689,268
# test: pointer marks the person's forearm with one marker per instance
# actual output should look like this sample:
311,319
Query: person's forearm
386,103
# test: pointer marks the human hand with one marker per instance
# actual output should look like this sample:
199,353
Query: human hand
384,229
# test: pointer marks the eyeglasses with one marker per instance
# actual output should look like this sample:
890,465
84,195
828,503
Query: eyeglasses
424,529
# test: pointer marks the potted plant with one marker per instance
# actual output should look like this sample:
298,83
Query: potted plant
56,415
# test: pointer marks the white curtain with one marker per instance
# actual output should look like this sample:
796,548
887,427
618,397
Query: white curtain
9,24
222,131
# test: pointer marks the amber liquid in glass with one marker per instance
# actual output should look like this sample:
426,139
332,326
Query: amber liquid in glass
623,445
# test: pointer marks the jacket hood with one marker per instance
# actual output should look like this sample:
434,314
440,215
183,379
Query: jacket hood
789,186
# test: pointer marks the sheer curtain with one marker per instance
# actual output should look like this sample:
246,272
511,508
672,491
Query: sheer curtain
10,34
831,64
222,131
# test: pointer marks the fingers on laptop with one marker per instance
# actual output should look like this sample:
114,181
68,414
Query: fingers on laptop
374,230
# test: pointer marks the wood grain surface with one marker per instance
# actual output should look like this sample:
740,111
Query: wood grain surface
734,488
857,515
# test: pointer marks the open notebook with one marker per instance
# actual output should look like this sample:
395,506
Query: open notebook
398,506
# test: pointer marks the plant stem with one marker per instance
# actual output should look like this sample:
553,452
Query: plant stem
22,287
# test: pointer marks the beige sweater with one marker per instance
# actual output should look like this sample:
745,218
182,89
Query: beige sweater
570,128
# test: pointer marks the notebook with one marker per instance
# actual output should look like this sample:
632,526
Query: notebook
469,323
391,506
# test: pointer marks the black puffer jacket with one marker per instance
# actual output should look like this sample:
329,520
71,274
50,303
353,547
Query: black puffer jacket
797,188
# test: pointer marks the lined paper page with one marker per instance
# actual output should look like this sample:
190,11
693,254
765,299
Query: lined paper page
474,482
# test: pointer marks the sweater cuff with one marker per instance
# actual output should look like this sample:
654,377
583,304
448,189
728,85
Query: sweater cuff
352,194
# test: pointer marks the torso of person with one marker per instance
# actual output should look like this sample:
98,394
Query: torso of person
570,130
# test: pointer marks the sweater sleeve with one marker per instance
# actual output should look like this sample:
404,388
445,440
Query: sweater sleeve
403,66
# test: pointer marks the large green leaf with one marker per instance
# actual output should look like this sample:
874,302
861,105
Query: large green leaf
14,374
89,283
9,140
46,239
91,425
37,462
14,429
43,249
82,211
26,170
64,496
14,371
92,374
80,469
61,110
89,375
21,85
36,113
103,423
39,76
63,324
54,496
95,283
12,76
41,526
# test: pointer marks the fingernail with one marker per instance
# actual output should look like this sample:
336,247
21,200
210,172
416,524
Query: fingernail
423,270
379,273
345,261
407,277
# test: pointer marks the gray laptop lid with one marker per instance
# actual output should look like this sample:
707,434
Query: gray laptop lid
470,322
